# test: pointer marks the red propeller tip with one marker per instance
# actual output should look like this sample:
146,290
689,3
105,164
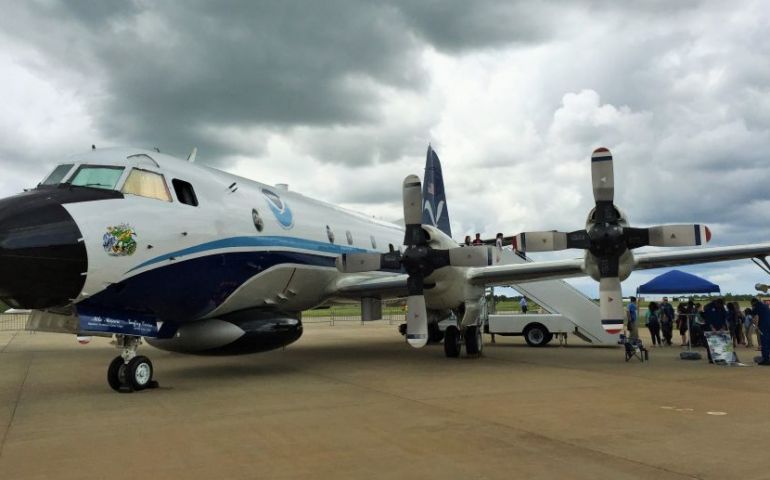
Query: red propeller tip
708,234
601,150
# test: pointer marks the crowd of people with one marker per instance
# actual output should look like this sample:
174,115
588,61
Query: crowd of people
694,320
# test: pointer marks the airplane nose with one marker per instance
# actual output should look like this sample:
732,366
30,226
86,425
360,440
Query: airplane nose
42,256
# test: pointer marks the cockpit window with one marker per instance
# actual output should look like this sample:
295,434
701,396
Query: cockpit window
146,184
97,177
57,175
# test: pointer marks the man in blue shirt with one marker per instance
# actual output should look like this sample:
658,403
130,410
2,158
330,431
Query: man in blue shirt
762,312
715,320
633,331
715,315
666,320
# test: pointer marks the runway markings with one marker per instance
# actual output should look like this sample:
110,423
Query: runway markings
667,407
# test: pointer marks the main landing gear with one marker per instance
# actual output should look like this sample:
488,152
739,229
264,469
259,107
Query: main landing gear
130,372
470,335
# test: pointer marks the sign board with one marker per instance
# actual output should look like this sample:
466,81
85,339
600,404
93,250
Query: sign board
720,344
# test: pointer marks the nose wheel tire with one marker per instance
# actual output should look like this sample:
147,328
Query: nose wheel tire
452,342
132,376
116,373
140,372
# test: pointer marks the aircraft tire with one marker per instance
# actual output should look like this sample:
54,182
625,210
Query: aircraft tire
473,341
114,373
452,342
435,335
139,372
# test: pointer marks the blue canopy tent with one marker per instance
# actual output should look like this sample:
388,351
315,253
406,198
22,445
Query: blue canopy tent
676,281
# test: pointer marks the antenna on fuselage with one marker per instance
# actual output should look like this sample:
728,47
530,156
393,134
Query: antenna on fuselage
192,155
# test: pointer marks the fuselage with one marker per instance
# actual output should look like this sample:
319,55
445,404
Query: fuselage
182,242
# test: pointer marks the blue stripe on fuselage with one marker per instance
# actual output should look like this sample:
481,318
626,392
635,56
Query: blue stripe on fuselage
188,290
266,241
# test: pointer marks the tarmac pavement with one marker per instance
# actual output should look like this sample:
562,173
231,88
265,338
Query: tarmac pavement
354,402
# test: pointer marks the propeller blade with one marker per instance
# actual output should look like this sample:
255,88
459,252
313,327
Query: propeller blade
540,241
679,235
578,239
412,195
611,305
358,262
470,256
416,321
636,237
416,314
602,175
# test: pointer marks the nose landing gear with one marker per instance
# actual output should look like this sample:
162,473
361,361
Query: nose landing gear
130,372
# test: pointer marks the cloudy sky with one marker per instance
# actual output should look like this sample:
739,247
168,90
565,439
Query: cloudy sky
340,99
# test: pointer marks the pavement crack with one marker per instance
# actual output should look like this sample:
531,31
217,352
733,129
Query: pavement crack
7,431
2,350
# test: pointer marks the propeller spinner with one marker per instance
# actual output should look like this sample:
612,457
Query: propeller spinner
608,240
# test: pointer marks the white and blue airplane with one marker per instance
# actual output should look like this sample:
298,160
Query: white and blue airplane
138,244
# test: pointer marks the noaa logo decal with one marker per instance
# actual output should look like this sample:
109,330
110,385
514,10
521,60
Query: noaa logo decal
120,240
279,208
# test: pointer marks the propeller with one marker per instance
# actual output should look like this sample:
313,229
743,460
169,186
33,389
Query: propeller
419,260
608,241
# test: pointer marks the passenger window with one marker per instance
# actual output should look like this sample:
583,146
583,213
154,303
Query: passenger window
374,242
349,237
330,234
184,192
57,175
97,177
146,184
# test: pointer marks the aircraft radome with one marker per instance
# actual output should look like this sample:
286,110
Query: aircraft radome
138,244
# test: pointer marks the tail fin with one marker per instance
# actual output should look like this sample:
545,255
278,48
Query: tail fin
434,209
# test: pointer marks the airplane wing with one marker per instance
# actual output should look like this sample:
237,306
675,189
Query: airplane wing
521,273
393,286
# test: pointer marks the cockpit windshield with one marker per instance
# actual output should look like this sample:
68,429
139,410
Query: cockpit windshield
97,177
57,175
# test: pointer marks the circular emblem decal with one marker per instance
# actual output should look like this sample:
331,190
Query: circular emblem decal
279,208
119,241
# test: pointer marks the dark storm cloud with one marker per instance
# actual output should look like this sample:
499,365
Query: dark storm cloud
459,25
169,72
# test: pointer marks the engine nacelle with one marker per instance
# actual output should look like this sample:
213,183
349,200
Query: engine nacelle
234,334
625,265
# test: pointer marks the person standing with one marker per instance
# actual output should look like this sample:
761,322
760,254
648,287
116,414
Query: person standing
748,327
478,241
666,317
467,241
523,304
762,314
633,331
696,326
683,313
716,320
734,323
653,323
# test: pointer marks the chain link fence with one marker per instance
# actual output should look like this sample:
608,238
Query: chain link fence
12,322
393,312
